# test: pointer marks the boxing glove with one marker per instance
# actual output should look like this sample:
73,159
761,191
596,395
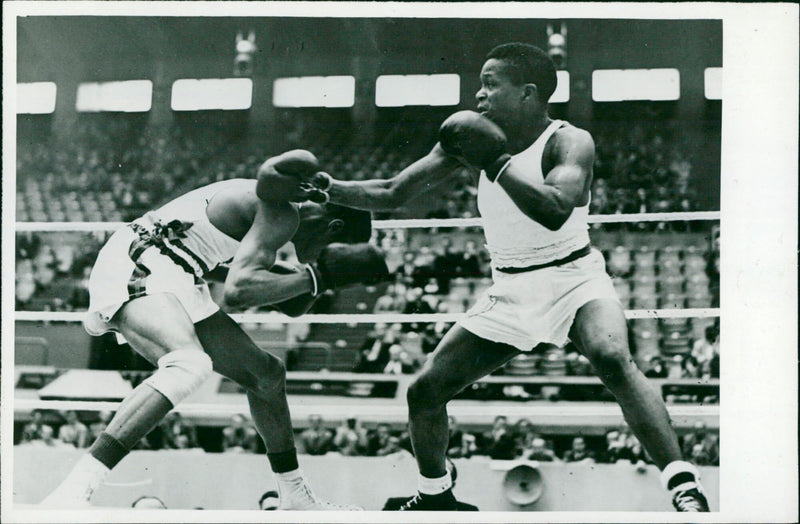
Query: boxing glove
292,176
476,141
340,265
297,306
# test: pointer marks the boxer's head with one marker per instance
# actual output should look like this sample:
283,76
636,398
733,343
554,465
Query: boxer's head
517,81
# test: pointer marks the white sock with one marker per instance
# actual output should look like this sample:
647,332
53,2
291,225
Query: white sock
435,486
675,467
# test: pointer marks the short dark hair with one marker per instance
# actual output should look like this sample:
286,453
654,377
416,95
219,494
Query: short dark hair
357,223
528,64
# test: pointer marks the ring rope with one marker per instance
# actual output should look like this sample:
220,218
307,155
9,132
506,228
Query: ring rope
383,410
363,318
399,224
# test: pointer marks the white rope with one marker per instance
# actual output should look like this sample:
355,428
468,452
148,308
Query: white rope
400,224
382,410
366,318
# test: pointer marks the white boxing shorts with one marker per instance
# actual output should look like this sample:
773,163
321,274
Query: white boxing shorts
539,306
130,266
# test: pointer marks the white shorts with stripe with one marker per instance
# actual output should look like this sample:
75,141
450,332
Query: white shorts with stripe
534,307
116,279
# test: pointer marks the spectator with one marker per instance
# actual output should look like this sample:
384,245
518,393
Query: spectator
579,452
269,501
239,437
316,440
460,444
73,432
705,349
657,368
374,353
537,448
148,502
46,439
709,442
499,442
178,433
614,444
394,503
400,361
99,426
382,442
351,438
35,429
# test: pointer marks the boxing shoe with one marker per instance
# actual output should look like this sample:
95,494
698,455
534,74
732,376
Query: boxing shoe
689,497
67,496
298,496
444,501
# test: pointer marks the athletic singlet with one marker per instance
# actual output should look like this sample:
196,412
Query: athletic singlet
516,240
183,232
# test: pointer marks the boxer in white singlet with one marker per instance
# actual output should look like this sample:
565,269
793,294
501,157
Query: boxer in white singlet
549,284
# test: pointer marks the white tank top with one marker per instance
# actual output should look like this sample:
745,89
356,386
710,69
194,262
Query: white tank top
184,232
516,240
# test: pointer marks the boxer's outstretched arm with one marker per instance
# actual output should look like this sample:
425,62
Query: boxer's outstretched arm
250,281
426,174
565,186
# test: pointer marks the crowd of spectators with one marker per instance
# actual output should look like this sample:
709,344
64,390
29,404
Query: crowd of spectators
352,437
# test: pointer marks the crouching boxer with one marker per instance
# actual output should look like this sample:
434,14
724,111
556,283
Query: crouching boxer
148,286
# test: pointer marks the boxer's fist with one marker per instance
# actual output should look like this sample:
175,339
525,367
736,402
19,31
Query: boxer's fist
292,176
341,265
476,141
299,305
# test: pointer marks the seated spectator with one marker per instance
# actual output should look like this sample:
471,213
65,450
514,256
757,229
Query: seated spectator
705,349
35,429
178,433
351,438
269,501
73,432
614,444
537,448
708,441
394,503
99,426
46,439
460,444
400,361
374,353
382,442
579,452
316,439
239,437
632,450
657,368
148,502
499,442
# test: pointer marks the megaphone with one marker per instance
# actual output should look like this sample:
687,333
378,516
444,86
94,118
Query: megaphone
523,485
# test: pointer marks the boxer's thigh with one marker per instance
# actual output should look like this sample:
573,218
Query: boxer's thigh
156,324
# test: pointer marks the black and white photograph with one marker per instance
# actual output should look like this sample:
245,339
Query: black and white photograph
337,260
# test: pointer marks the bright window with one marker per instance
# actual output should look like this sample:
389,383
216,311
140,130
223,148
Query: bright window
198,94
36,98
417,90
130,96
314,91
713,83
616,85
561,94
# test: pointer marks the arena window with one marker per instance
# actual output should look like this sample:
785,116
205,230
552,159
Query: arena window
36,98
617,85
314,91
417,90
561,94
713,83
198,94
130,96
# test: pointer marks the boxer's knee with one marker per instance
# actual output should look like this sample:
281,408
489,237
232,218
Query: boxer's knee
266,375
426,393
180,373
611,358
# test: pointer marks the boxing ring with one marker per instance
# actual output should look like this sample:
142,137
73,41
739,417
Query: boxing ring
559,479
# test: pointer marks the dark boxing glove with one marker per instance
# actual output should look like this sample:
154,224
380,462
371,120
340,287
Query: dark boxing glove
341,265
292,176
476,141
299,305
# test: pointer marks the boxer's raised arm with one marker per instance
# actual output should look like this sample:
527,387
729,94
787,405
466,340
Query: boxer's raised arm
428,173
